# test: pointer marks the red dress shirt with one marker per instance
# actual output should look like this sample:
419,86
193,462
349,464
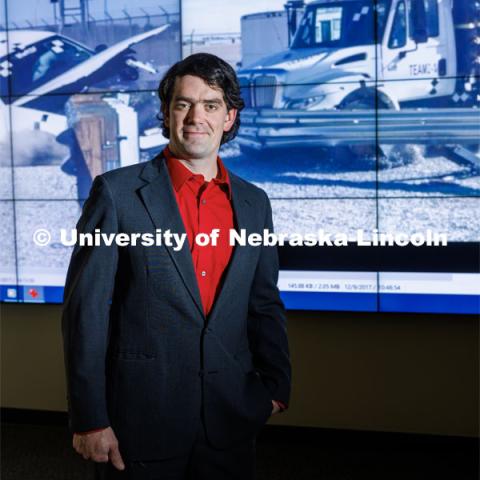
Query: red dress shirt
203,207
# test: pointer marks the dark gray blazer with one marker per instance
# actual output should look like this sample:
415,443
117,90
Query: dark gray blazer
140,354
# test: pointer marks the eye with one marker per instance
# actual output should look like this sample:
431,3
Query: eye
211,107
181,105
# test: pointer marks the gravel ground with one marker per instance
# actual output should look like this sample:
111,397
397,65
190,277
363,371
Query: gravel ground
331,215
459,218
312,191
309,191
51,260
47,182
7,247
6,183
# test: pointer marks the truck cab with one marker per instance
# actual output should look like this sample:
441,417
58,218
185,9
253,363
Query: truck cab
347,53
418,45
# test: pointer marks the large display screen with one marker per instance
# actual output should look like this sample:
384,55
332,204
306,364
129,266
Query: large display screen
361,123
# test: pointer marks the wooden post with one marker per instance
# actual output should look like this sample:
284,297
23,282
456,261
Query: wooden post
96,129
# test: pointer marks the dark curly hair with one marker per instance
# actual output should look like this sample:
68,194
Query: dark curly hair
216,73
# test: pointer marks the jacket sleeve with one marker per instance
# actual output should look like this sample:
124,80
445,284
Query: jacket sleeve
267,323
85,317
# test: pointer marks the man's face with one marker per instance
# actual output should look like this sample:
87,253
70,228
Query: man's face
197,117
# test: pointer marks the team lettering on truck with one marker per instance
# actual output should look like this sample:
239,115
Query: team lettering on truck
424,69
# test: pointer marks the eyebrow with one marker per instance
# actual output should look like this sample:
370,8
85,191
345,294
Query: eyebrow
181,98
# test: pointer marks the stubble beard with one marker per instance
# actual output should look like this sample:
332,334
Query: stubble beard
197,148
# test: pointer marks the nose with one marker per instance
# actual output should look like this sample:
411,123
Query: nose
195,114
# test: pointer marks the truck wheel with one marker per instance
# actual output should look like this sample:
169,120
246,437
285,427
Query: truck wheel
362,152
365,102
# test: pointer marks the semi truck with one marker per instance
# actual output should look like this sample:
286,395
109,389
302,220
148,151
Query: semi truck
364,55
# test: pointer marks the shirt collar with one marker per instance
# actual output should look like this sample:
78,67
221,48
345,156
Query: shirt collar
179,173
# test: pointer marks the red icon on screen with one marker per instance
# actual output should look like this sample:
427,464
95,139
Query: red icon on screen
33,292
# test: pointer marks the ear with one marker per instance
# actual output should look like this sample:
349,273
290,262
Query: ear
230,119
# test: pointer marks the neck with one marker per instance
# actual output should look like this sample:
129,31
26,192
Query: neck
204,166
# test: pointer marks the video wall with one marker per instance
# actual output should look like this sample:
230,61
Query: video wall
361,123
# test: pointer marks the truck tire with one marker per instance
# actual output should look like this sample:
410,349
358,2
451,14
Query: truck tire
363,100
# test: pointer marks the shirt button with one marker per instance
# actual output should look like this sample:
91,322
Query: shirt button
203,273
203,201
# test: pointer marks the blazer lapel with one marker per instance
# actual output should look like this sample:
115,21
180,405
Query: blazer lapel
242,208
159,199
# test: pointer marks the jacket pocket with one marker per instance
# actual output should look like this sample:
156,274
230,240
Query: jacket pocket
132,355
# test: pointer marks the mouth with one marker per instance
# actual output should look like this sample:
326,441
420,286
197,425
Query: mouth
191,133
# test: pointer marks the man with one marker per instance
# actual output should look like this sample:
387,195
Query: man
176,357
